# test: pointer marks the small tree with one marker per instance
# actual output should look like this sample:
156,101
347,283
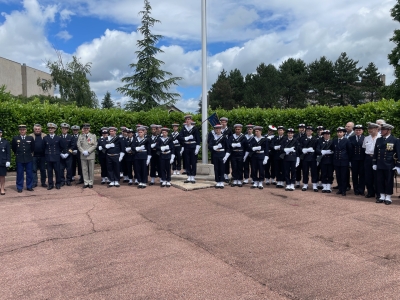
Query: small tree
71,80
371,82
148,87
107,102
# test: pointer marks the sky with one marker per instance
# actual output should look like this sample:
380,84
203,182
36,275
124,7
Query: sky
240,34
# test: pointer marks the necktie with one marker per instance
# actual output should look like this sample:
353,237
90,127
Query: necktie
357,138
23,138
86,135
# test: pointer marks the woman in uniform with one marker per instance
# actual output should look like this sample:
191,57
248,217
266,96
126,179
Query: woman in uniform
5,158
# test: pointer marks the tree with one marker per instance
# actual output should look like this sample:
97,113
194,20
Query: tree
293,77
237,84
321,78
393,90
148,87
221,93
71,80
346,81
107,102
263,88
371,82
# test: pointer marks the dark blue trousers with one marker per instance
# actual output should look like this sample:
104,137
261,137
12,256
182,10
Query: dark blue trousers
21,168
66,164
190,161
39,163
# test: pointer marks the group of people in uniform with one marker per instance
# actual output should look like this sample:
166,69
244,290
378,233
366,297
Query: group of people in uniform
281,157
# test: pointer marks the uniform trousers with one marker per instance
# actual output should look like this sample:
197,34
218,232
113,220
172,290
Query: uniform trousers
27,167
165,169
341,177
190,161
290,172
307,165
154,164
269,169
176,165
279,169
141,170
257,168
123,166
326,173
39,163
299,170
113,169
237,166
53,166
103,164
227,166
219,169
66,164
385,182
370,176
246,167
358,175
88,171
76,161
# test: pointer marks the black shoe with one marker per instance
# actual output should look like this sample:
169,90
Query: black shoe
193,181
35,185
186,181
278,186
368,196
240,185
90,186
297,186
260,187
320,187
233,185
328,191
85,186
110,186
274,183
44,185
58,186
344,194
361,193
303,189
69,183
379,201
30,189
388,202
151,183
62,183
335,187
80,181
184,173
19,191
126,180
117,185
338,192
50,187
348,188
130,183
315,190
253,187
103,182
221,187
267,183
227,180
324,191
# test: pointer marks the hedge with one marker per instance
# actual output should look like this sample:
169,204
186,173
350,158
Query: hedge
13,113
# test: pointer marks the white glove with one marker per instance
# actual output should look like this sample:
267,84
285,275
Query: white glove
245,156
66,155
317,163
265,160
85,153
323,152
258,148
197,150
329,151
108,146
287,150
112,145
397,169
153,145
277,147
270,137
100,148
162,148
297,161
188,137
176,142
182,151
128,149
219,145
121,156
62,155
215,147
76,151
138,148
350,164
311,150
167,147
305,150
172,159
148,160
7,164
374,167
226,157
292,149
142,147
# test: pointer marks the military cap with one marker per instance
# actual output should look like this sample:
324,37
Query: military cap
301,125
122,128
258,128
104,130
158,126
358,126
125,129
145,127
153,126
188,117
175,124
138,125
290,130
86,125
387,126
320,127
112,128
129,130
224,119
141,128
164,129
193,123
75,127
341,129
64,125
373,125
250,126
309,128
272,127
281,127
217,126
21,126
238,125
51,125
326,131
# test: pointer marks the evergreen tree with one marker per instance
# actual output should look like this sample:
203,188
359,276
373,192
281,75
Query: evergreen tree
321,78
221,94
148,87
371,82
237,84
107,102
346,81
393,91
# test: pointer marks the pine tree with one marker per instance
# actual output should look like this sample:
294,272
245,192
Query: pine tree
148,87
221,94
371,82
107,102
321,78
393,90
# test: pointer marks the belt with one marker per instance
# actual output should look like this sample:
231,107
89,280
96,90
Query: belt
112,154
238,150
260,151
219,150
166,152
142,151
191,142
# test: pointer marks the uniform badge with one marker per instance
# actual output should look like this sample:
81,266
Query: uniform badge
18,141
389,146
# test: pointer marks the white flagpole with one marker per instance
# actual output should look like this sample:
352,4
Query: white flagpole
204,101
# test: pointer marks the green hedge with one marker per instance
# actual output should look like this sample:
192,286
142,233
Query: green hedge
13,113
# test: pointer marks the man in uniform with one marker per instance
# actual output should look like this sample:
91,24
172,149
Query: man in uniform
278,161
122,165
67,142
190,138
115,147
227,133
23,147
385,162
341,159
324,153
76,156
357,160
247,161
38,156
129,158
176,165
155,159
238,147
308,158
52,149
291,160
259,149
87,144
370,174
101,152
270,167
300,137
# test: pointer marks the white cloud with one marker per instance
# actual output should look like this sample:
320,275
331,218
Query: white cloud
65,17
64,35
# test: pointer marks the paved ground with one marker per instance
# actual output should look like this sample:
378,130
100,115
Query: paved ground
126,243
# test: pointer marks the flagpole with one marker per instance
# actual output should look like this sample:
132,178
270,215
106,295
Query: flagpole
204,101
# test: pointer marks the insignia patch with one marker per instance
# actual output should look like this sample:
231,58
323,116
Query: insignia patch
389,146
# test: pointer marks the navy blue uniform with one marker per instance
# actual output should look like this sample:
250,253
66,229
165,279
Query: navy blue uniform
5,155
76,158
247,162
165,157
237,155
102,156
308,159
52,151
289,159
67,142
357,163
325,161
23,148
341,160
129,158
257,157
176,165
141,170
279,167
269,167
113,164
218,155
155,159
189,145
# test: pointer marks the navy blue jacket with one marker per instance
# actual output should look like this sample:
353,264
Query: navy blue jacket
386,152
219,153
167,142
238,151
342,152
5,152
292,156
357,152
142,154
191,143
260,154
325,145
52,148
23,148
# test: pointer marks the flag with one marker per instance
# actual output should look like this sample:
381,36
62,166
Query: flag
213,119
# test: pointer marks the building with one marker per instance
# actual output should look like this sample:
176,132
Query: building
21,79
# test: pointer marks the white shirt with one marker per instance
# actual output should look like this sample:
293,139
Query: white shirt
249,136
369,144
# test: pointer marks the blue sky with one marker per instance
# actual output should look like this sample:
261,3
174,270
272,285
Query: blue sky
241,34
